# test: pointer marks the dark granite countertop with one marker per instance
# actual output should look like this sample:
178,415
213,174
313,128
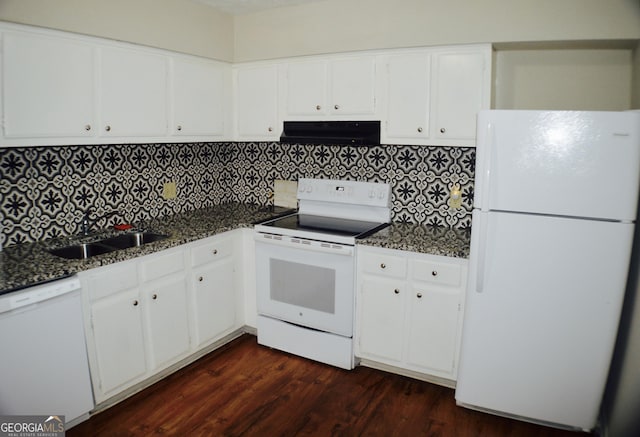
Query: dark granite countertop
30,264
434,240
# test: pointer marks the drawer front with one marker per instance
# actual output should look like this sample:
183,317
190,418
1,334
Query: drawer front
437,272
211,251
383,264
162,264
112,279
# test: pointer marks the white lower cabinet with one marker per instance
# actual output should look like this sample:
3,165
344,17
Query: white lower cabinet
118,342
214,293
149,313
409,311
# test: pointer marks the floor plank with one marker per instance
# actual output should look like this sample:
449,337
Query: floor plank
245,389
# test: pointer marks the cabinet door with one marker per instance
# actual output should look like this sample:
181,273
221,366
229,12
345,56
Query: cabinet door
381,318
353,86
166,304
433,325
460,90
48,87
257,103
198,98
119,340
408,87
133,93
215,303
307,88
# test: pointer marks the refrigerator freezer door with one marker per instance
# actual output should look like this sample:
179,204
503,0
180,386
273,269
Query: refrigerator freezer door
570,163
543,302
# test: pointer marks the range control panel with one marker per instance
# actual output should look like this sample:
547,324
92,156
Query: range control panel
350,192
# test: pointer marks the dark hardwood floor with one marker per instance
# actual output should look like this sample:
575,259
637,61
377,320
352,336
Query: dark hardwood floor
245,389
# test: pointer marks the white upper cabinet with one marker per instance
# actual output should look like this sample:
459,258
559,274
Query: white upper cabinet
47,86
133,93
408,97
461,88
256,96
432,96
339,88
200,97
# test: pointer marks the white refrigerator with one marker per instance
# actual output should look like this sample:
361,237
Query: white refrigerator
555,203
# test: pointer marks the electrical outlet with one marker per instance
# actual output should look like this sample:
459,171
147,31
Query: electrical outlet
455,197
169,190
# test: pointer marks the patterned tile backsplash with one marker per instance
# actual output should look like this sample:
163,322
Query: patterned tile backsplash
46,190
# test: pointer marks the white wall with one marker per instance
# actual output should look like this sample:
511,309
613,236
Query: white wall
178,25
343,25
581,79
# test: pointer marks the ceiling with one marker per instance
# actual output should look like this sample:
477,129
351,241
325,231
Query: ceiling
237,7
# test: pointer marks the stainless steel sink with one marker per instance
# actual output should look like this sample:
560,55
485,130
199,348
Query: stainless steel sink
81,251
119,242
125,241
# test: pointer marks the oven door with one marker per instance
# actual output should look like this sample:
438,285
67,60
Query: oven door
306,282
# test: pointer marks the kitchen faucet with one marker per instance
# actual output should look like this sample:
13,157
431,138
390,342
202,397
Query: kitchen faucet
87,222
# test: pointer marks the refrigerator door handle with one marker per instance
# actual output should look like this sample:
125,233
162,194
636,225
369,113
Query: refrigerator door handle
482,256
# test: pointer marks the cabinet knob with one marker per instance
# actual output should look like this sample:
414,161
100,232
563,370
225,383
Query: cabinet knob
214,251
107,128
396,291
419,295
200,278
135,303
419,129
270,129
336,107
318,107
434,273
383,266
154,297
442,130
179,128
87,127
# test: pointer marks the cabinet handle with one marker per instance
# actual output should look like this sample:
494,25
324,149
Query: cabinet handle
154,297
434,273
420,129
336,107
318,107
214,251
442,130
419,295
396,291
107,128
270,129
87,127
135,303
179,128
200,278
383,266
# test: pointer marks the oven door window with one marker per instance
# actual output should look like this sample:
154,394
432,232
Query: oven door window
303,285
306,287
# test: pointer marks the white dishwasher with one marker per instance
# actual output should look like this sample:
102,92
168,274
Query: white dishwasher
44,368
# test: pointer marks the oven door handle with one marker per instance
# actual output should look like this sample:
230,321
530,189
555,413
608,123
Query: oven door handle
304,244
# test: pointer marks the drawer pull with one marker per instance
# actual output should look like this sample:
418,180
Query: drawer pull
200,278
135,303
434,273
396,291
154,297
419,295
214,251
383,266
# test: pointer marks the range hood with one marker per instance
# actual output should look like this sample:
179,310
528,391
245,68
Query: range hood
332,132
